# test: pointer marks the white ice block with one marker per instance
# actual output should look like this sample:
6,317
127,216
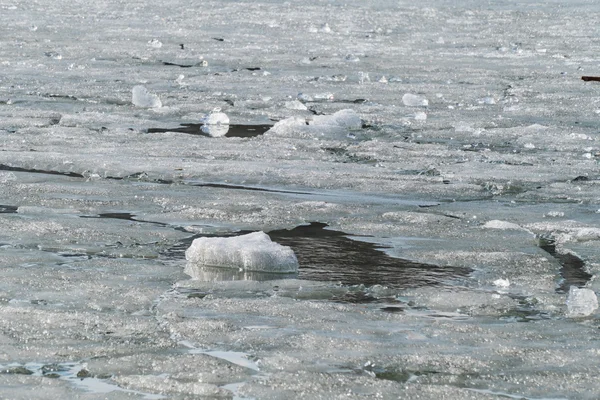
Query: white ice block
252,252
141,97
581,302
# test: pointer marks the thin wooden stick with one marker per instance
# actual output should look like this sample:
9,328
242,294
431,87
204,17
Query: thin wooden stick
591,78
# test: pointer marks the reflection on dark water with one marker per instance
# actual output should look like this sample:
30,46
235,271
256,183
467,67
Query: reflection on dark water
331,256
243,131
573,268
4,209
214,274
328,255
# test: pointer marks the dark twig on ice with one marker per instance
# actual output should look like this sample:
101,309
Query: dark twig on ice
591,78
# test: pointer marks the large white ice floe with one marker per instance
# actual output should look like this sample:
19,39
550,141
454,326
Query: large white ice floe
252,252
581,302
141,97
339,122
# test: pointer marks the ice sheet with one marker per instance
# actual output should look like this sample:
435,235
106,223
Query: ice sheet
458,138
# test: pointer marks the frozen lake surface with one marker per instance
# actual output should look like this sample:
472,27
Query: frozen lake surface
433,165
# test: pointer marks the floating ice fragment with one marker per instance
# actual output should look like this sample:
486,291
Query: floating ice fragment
304,97
155,43
363,77
412,100
383,79
325,28
54,55
352,58
295,105
487,100
581,302
529,146
344,118
215,130
420,116
502,283
338,123
252,252
324,96
215,117
497,224
141,97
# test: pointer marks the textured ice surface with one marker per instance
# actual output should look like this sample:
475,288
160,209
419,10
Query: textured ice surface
96,209
252,252
581,302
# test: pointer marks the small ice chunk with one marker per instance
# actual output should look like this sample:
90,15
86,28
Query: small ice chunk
141,97
420,116
413,100
252,252
324,96
215,130
502,283
295,105
325,28
529,146
487,100
344,119
383,79
352,58
304,97
497,224
581,302
363,77
215,117
155,44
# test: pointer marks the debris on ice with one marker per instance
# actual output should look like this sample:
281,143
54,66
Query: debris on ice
252,252
581,302
413,100
141,97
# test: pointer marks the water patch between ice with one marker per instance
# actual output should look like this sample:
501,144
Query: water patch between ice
231,130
